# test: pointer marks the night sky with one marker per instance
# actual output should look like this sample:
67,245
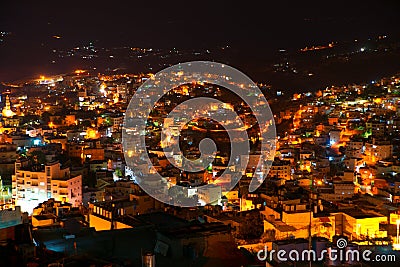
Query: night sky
250,27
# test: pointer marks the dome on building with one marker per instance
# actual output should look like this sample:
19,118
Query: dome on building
7,112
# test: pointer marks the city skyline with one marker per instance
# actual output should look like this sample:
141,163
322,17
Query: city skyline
254,33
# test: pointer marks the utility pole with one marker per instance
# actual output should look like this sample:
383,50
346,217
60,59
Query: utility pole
311,216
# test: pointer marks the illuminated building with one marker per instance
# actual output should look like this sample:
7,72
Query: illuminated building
70,120
57,140
92,153
92,133
106,215
377,128
378,150
333,120
117,122
334,136
210,194
344,188
122,90
35,184
354,148
11,121
7,112
353,163
293,221
358,224
75,150
280,169
23,141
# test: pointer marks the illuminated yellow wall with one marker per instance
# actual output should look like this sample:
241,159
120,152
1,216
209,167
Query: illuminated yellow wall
36,223
101,224
361,228
394,218
232,195
296,219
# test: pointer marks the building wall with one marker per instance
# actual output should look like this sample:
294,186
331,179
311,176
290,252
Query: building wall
100,224
377,152
69,190
104,224
323,228
232,195
296,219
346,189
144,204
30,188
360,228
210,194
8,156
93,153
282,172
334,137
75,150
281,235
36,222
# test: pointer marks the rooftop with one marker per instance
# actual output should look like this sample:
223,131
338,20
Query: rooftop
360,214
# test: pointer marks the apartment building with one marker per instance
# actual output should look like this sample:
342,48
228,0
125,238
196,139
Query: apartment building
34,184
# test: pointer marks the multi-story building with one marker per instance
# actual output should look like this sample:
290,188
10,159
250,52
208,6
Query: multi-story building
211,194
8,152
376,127
354,148
360,224
378,150
117,122
280,169
344,188
34,184
334,136
293,221
352,163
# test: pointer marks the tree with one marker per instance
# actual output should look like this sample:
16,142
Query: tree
46,117
118,172
251,227
342,149
37,157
